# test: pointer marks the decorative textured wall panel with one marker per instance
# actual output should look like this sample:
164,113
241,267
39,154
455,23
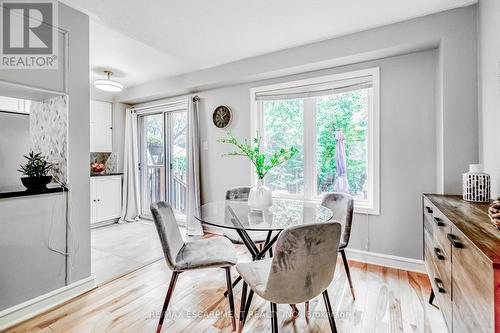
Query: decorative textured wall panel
49,132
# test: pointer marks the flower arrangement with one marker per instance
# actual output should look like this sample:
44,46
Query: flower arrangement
263,162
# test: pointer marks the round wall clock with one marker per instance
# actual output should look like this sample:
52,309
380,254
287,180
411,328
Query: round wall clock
222,116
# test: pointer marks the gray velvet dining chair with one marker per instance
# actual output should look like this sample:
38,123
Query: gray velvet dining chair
303,267
184,256
342,207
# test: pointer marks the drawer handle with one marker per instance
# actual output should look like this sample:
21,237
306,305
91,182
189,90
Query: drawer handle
438,253
439,285
454,241
439,222
428,209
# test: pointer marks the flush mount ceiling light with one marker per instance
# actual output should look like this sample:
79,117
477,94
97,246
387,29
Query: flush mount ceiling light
108,84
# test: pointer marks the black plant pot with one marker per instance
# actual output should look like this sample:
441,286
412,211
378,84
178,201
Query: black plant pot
36,183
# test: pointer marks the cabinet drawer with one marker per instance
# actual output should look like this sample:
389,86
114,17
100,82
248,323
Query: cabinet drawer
438,266
441,229
473,288
437,257
444,287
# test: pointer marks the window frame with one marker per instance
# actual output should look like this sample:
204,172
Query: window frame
370,206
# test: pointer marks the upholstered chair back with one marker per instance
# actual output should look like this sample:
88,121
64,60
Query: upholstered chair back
342,206
170,235
238,193
304,263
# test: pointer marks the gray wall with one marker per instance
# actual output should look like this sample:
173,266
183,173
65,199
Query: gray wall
489,89
77,24
407,151
14,143
430,95
453,31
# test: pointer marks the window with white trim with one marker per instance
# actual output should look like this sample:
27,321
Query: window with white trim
315,115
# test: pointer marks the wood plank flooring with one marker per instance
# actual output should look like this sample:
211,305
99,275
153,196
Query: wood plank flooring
388,300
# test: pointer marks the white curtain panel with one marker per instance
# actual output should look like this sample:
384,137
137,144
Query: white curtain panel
131,200
194,227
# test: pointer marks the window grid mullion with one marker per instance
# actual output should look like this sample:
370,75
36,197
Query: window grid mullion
309,147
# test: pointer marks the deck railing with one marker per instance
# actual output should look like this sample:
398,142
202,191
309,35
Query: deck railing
156,188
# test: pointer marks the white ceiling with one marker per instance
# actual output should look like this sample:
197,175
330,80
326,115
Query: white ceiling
131,61
147,40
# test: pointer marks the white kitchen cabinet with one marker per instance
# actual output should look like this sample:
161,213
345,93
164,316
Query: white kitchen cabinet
101,127
105,198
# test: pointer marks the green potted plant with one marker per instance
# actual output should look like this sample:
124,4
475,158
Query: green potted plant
36,171
260,197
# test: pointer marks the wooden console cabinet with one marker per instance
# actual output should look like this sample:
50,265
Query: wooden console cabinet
462,258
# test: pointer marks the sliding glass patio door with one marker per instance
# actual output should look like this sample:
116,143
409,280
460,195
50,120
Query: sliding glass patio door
163,144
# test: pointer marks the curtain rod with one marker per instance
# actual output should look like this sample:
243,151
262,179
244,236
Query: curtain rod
196,98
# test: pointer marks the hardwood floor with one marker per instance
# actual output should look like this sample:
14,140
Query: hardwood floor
388,300
118,249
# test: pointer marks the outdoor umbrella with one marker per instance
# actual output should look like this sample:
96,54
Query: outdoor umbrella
341,184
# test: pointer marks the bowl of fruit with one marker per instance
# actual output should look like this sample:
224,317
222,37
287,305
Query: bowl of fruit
97,167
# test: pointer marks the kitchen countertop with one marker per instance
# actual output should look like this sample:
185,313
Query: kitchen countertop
21,191
106,174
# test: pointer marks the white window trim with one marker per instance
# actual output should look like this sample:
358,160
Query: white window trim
372,206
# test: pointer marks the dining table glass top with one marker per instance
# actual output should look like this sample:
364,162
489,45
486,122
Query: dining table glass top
284,213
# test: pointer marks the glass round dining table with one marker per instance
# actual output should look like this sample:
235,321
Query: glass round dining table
284,213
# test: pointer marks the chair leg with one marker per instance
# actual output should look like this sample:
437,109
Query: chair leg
295,311
170,291
242,304
274,318
235,282
247,307
230,295
348,272
329,311
307,310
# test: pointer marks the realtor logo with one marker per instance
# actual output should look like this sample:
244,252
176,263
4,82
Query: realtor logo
29,37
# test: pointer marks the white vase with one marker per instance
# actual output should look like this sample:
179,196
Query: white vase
260,197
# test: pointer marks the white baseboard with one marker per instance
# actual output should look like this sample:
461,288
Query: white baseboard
407,264
33,307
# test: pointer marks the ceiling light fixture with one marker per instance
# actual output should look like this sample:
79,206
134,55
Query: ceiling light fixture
108,84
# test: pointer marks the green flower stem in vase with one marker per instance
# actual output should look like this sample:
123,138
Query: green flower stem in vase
260,197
